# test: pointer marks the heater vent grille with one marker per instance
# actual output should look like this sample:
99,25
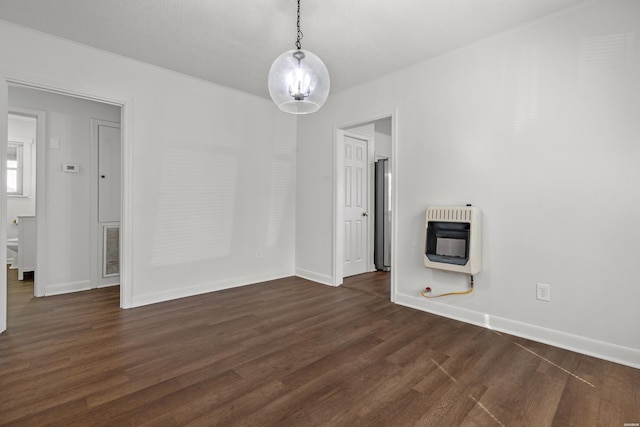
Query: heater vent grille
455,214
453,239
111,251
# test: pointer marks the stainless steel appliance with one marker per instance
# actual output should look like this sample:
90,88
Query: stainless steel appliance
382,216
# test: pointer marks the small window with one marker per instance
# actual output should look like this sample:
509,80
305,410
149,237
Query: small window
14,169
18,167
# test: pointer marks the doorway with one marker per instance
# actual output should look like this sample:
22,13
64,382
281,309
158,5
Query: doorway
22,125
378,132
67,180
125,118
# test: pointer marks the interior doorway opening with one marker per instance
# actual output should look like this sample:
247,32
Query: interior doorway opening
22,126
65,214
69,166
376,139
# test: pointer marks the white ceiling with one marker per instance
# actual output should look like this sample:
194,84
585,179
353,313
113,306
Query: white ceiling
234,42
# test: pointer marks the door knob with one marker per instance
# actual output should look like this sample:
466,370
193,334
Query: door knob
365,213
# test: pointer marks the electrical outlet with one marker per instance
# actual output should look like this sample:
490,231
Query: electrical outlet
543,292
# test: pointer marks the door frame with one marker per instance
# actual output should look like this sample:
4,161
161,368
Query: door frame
125,103
338,194
40,153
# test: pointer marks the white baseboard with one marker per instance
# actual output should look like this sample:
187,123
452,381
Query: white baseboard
108,285
314,277
65,288
600,349
140,300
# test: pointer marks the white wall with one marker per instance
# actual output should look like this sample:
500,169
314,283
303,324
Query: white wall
383,137
68,196
22,127
213,168
539,128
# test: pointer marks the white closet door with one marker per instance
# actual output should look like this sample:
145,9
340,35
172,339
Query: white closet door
355,206
109,173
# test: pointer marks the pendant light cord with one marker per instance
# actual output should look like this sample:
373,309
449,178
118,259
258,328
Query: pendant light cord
300,35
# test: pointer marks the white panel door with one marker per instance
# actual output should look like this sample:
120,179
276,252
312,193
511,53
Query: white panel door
355,213
109,167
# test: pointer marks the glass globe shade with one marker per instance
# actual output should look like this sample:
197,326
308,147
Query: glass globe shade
298,82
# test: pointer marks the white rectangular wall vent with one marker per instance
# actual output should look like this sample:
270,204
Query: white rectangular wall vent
111,251
450,213
453,239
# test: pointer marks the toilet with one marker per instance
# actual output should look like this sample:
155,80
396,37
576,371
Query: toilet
24,245
12,244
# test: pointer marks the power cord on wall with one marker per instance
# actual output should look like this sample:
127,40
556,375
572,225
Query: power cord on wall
427,291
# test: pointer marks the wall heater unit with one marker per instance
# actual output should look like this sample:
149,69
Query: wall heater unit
453,239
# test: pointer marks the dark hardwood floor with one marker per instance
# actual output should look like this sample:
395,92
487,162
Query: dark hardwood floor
288,352
376,283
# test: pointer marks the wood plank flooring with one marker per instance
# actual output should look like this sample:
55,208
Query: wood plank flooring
376,283
288,352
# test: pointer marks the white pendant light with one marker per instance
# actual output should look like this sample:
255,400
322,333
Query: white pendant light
298,79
